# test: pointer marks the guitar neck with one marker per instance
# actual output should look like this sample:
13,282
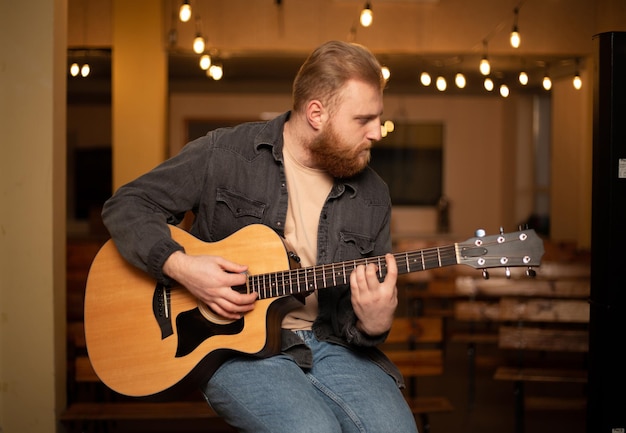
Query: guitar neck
302,280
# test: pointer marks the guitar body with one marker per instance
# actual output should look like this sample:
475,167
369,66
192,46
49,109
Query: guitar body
148,341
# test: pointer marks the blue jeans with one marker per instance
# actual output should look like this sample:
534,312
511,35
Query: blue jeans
343,392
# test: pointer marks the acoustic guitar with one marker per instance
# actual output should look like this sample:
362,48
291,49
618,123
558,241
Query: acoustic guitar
154,342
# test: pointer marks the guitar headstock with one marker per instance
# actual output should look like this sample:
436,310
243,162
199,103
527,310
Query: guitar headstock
506,250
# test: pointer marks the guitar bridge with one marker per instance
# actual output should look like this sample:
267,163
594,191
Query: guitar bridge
161,308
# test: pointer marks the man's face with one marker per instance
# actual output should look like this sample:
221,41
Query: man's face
342,147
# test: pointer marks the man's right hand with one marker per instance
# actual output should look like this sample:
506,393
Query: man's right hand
210,279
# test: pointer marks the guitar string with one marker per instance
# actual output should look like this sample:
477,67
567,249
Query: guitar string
307,279
268,285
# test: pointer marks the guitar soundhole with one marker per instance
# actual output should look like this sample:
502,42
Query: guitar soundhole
194,328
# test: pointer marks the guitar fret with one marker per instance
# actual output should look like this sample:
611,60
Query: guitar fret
439,256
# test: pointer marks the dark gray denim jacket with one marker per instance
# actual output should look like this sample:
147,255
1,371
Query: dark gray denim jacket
233,177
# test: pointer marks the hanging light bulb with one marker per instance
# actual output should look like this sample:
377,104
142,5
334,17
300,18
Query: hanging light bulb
523,78
215,71
459,80
425,79
547,82
488,83
504,91
198,44
85,69
515,38
74,69
484,67
367,16
205,62
184,13
386,73
441,83
577,82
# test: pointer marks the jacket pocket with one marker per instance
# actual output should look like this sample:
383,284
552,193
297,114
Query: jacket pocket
355,245
234,211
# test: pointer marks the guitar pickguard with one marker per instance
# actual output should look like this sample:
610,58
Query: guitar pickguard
193,328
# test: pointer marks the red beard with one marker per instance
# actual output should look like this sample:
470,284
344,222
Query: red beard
337,158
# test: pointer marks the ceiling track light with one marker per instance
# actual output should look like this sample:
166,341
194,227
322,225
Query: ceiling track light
367,16
184,13
515,38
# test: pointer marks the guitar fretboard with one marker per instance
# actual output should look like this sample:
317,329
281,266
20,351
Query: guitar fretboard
302,280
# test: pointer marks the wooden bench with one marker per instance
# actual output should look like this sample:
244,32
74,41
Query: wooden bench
484,305
415,345
544,329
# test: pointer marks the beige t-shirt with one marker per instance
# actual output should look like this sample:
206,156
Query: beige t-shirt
308,189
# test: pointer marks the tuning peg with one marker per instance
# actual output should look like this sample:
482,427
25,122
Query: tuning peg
480,233
507,272
485,274
501,230
530,272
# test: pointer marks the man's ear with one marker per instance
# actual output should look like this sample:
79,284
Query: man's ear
316,114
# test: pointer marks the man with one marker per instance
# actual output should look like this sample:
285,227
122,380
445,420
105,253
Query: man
305,174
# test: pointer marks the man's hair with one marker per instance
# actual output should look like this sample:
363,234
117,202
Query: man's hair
329,67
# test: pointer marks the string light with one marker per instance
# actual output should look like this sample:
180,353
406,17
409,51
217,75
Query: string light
74,69
523,78
441,83
184,13
504,91
515,38
198,42
205,62
485,67
547,82
215,71
367,16
577,82
425,79
488,83
386,73
459,80
85,70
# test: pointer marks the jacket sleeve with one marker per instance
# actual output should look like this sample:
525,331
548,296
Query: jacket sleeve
138,214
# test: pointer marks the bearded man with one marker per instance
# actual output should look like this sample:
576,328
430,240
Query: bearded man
305,175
